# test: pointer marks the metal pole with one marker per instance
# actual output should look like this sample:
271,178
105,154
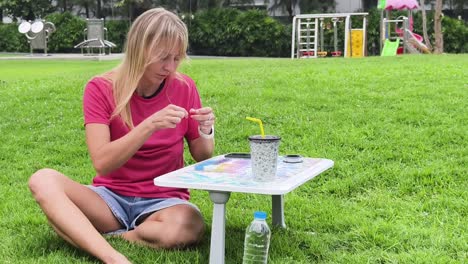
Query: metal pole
308,36
321,34
364,36
335,36
405,35
316,37
350,37
112,9
347,37
382,31
293,38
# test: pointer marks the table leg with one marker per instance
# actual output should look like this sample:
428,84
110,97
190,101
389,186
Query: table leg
218,225
277,202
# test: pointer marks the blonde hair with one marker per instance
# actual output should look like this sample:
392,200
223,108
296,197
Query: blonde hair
153,34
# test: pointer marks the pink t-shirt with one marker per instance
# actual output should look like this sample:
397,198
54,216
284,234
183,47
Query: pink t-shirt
161,153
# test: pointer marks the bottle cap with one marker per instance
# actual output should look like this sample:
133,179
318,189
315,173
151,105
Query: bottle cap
260,215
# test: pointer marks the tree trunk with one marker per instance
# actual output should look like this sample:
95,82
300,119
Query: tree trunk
289,8
86,6
439,38
131,11
212,4
194,5
424,25
30,16
98,9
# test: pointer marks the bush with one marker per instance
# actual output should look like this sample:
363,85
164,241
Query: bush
230,32
455,35
212,32
69,32
373,32
261,35
117,33
11,40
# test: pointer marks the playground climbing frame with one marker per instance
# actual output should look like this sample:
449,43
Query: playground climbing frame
307,31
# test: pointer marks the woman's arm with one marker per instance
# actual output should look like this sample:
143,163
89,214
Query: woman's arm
108,155
202,147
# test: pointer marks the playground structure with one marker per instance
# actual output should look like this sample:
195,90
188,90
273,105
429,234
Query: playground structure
307,31
38,33
403,40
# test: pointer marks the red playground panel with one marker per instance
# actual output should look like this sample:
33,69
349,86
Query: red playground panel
399,50
336,53
307,53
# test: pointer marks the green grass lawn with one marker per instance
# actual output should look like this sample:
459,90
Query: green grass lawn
396,128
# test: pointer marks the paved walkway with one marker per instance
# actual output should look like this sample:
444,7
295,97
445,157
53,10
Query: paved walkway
60,56
79,56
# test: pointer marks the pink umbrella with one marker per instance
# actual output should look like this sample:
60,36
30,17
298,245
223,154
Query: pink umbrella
401,4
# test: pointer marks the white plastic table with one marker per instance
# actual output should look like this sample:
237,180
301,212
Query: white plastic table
220,176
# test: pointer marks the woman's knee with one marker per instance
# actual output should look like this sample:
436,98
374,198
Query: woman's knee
186,232
181,237
42,182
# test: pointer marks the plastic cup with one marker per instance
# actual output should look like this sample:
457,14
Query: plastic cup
264,157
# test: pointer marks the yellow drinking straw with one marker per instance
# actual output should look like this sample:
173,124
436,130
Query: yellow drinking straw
256,120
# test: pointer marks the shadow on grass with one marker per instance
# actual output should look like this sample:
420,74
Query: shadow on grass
47,247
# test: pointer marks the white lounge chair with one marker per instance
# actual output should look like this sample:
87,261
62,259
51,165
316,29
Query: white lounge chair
95,37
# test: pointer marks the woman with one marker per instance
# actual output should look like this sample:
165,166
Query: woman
136,118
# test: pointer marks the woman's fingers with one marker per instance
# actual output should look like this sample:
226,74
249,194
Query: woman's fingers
204,115
169,116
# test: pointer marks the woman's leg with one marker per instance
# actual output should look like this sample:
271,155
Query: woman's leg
77,213
177,226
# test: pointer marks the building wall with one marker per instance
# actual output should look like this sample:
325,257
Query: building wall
7,20
282,10
348,6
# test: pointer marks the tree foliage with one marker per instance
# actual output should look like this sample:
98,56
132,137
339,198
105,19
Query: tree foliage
27,9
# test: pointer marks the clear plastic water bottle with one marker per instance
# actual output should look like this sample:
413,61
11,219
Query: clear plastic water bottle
257,240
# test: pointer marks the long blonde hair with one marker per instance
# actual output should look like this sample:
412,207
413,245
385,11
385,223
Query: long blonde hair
151,36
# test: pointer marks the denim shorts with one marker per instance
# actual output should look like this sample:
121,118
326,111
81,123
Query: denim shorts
131,211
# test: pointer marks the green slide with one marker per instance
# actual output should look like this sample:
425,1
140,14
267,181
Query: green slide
390,47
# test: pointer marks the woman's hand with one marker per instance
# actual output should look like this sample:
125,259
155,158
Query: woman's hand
205,118
168,117
202,147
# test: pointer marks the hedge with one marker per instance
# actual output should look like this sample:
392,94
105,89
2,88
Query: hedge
230,32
